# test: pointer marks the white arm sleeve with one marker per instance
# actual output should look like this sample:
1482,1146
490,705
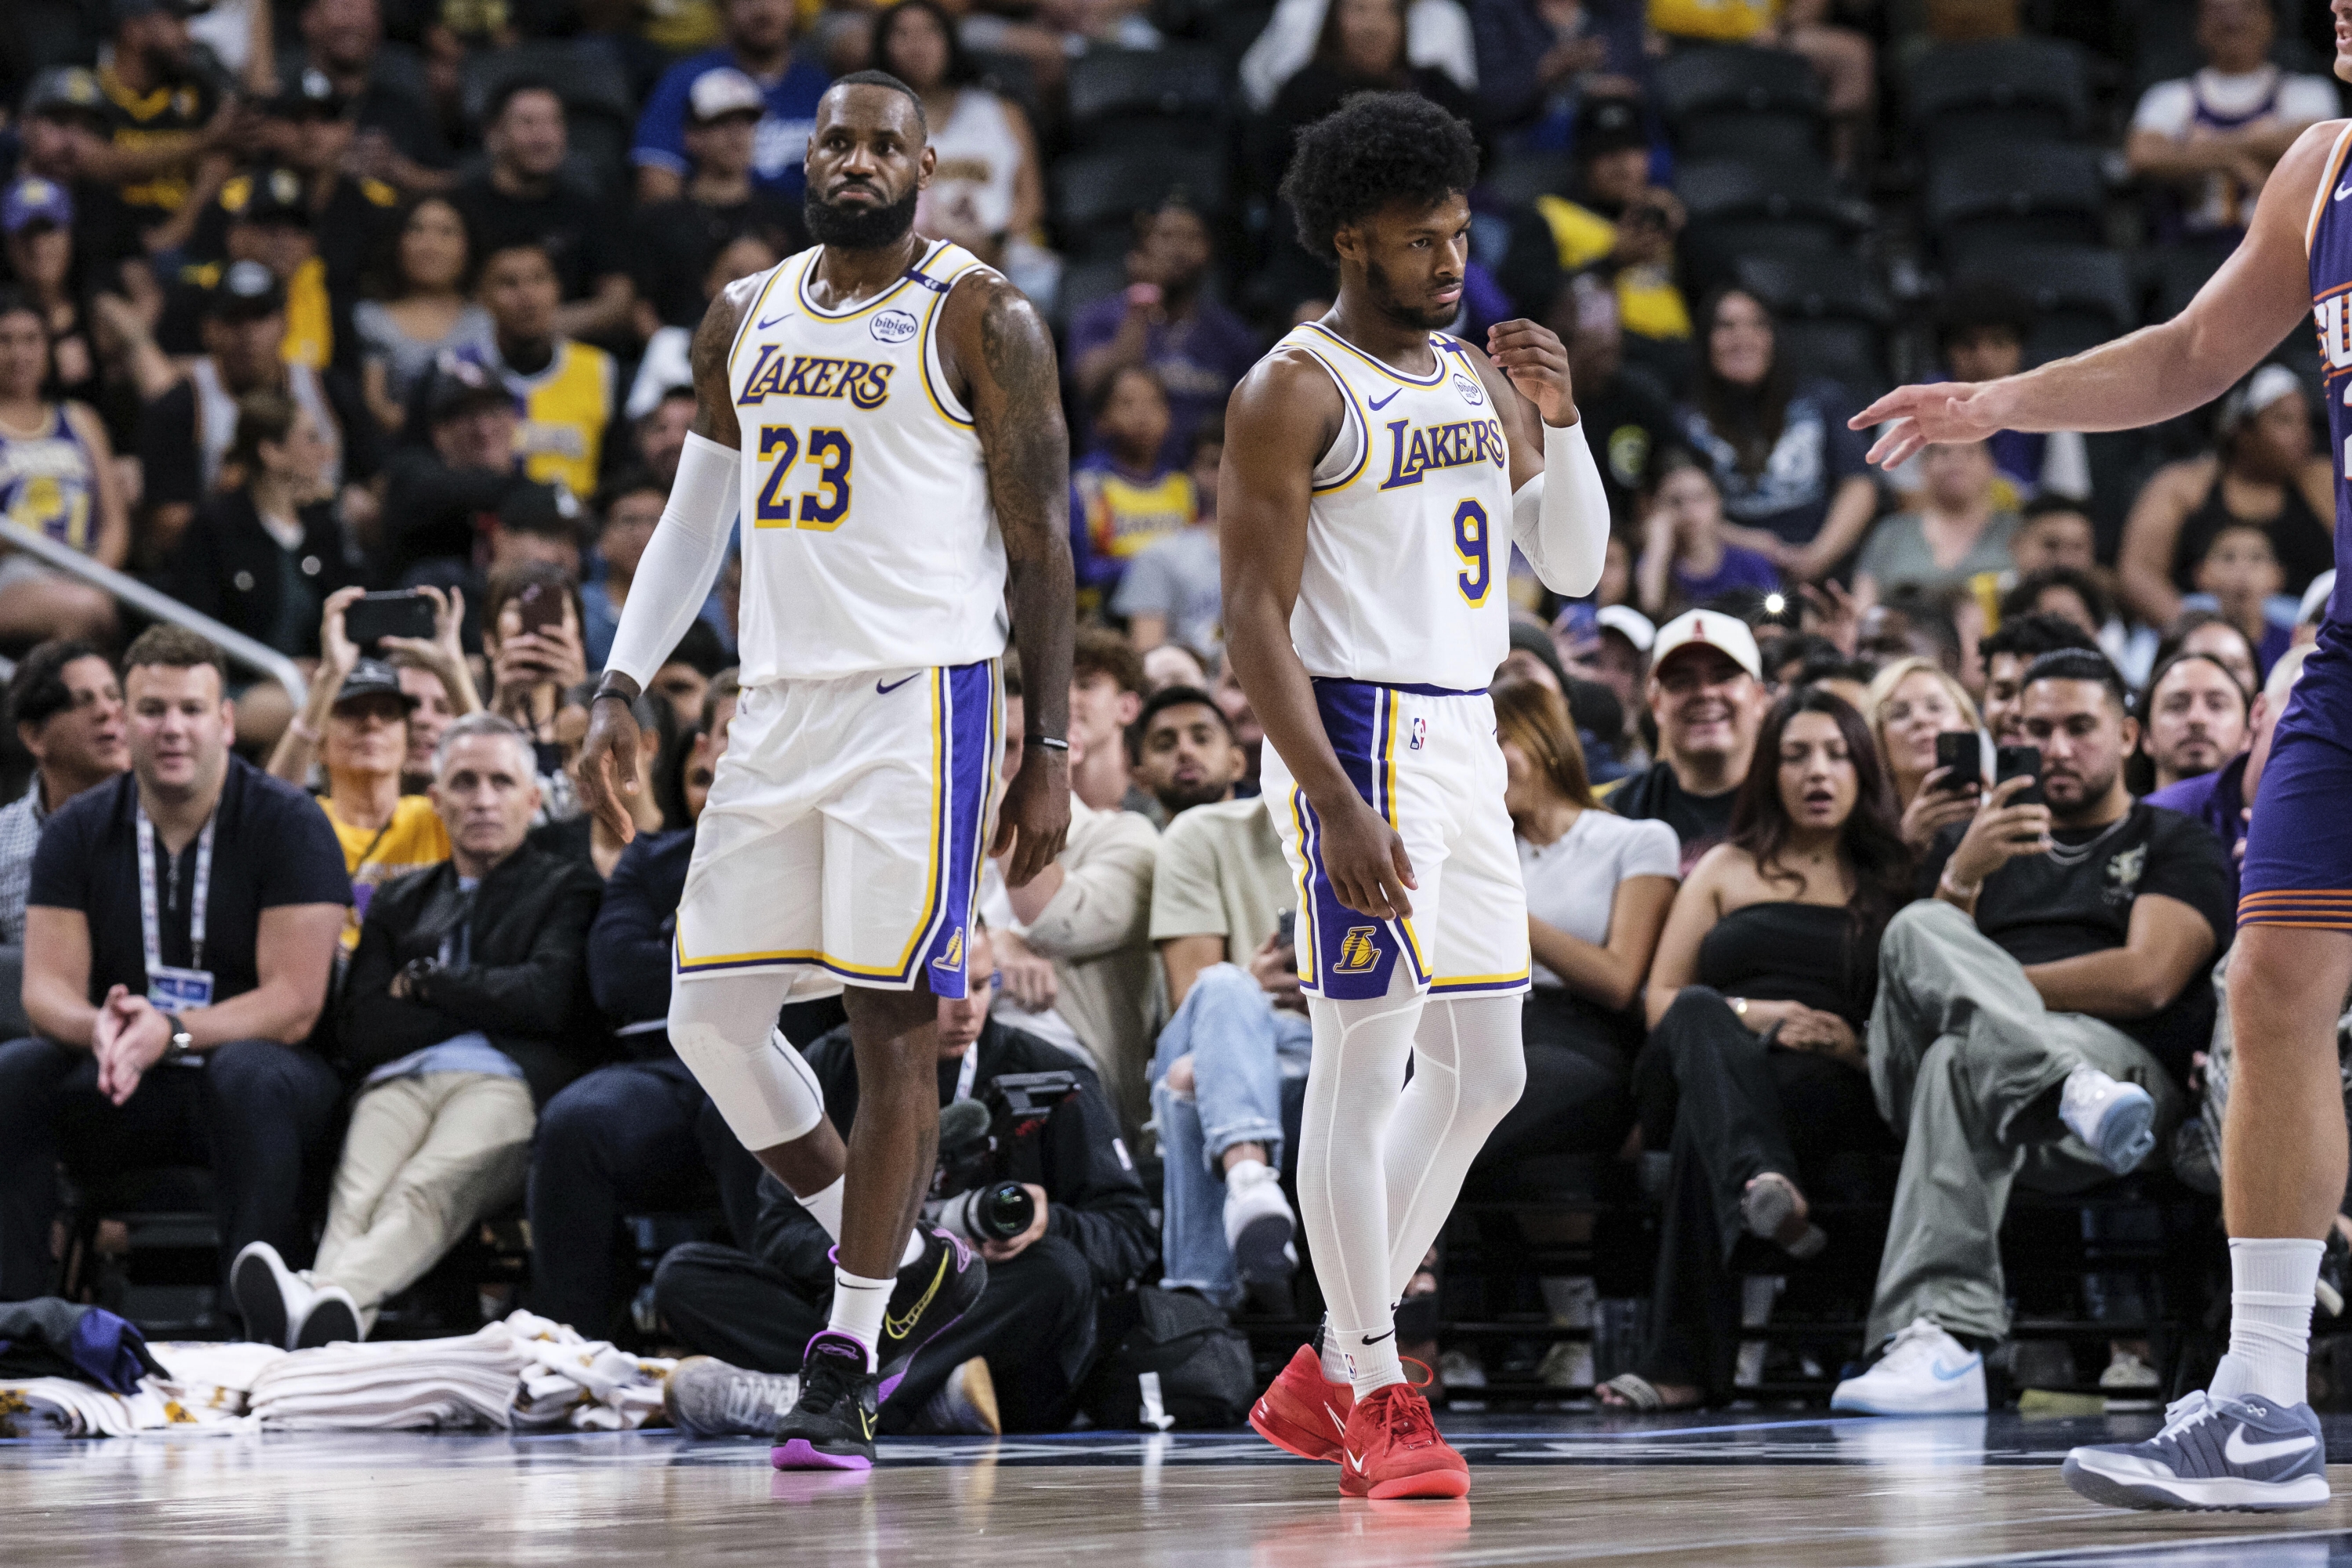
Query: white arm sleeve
681,561
1560,518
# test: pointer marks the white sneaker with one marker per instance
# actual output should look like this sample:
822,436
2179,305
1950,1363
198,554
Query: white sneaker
1259,1224
270,1296
1924,1372
2117,1119
330,1317
2129,1384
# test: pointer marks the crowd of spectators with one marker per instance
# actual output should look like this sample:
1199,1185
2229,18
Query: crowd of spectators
305,302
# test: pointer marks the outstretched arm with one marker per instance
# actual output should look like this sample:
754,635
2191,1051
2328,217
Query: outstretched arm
680,563
1292,411
1004,358
2260,293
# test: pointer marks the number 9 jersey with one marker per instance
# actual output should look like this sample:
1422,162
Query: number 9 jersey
1408,533
869,542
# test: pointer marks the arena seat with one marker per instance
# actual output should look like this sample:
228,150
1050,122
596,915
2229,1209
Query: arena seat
1998,91
1752,105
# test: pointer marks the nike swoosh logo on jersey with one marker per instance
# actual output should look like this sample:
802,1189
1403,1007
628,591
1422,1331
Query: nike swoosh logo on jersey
2238,1451
1381,403
886,691
2344,190
773,320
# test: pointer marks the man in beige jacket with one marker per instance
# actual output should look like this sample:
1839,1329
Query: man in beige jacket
1073,945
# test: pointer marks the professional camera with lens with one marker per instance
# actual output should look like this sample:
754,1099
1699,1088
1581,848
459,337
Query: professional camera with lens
973,1193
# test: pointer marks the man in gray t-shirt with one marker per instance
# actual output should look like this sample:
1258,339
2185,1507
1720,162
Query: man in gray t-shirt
1172,592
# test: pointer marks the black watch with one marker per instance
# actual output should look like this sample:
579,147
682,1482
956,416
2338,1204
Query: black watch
180,1042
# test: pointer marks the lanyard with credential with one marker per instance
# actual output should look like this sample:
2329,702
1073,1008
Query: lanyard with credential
968,1071
150,923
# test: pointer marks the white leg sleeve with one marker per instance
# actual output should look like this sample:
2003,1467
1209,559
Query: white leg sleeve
724,1030
1468,1069
1353,1085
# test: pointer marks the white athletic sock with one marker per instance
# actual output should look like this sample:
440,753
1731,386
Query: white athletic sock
859,1304
1370,1358
1335,1364
823,1206
2271,1282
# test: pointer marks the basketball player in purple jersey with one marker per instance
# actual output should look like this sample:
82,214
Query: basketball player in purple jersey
2250,1441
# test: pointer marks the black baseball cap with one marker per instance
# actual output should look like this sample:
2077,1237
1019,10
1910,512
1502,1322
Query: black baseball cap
459,386
131,10
266,194
247,291
309,96
373,678
1605,125
66,89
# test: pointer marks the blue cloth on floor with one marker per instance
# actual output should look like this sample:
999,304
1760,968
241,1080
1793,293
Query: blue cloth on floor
53,1338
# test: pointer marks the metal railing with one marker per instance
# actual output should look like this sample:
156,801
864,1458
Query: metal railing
240,648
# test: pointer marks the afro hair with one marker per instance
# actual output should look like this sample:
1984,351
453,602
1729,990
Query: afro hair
1375,149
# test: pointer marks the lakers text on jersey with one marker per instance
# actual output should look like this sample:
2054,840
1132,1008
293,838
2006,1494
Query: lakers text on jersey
847,821
1401,619
868,538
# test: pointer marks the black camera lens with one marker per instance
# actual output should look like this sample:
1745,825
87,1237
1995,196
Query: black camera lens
1002,1210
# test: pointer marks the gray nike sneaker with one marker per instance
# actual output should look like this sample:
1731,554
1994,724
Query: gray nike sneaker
707,1398
2249,1455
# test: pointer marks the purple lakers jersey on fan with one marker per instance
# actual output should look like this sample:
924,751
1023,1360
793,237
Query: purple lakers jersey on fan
2329,239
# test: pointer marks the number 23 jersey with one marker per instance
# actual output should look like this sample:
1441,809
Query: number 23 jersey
869,541
1409,531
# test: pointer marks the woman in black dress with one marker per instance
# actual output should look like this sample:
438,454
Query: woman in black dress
1757,1001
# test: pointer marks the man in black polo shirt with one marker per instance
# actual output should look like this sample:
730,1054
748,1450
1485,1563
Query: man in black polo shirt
182,922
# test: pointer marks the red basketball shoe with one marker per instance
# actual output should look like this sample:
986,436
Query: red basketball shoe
1392,1449
1302,1411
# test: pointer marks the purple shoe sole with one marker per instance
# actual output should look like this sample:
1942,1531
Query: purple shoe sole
796,1455
890,1385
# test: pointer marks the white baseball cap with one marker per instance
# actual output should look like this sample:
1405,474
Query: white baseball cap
723,90
1629,624
1708,629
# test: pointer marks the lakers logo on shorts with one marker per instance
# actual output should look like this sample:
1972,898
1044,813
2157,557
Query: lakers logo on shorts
953,957
1359,950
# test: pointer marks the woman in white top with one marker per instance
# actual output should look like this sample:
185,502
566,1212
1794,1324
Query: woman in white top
988,188
428,306
1599,887
1909,704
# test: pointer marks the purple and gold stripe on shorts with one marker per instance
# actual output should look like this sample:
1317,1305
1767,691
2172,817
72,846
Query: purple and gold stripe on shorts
2320,908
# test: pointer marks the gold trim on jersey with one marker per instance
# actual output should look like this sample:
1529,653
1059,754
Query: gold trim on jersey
1386,368
743,327
799,288
1363,425
924,339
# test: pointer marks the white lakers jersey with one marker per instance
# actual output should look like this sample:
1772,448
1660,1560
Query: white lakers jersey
869,542
1408,533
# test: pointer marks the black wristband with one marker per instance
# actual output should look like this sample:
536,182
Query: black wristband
1051,742
615,692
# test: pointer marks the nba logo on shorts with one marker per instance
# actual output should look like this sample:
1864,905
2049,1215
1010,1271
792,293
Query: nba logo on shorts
1359,950
1420,734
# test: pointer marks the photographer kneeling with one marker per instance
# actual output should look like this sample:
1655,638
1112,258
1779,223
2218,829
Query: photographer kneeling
1033,1330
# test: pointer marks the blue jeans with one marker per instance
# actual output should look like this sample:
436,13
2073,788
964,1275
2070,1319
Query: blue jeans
1249,1078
